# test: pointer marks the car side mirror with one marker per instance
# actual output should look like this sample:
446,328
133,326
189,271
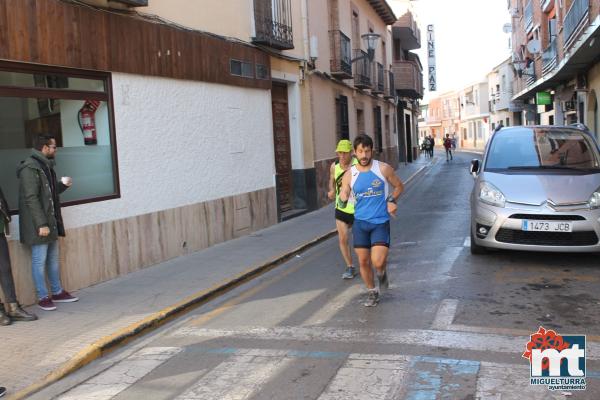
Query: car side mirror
474,167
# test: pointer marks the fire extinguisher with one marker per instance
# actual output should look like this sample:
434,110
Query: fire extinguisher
87,121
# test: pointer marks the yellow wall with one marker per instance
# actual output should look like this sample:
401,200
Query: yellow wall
232,18
319,27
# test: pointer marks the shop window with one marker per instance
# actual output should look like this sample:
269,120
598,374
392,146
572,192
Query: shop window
72,106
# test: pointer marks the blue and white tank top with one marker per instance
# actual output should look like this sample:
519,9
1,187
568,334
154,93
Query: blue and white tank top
370,191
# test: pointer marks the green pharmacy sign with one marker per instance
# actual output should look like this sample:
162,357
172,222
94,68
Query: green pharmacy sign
543,98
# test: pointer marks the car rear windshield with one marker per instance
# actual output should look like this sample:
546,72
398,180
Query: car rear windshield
538,148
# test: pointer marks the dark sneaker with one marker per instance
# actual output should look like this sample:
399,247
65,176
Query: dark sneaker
384,283
64,297
46,304
349,273
372,299
2,391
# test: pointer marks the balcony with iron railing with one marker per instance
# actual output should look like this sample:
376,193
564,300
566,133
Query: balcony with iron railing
408,79
546,5
363,70
529,74
549,58
389,91
575,19
273,22
528,16
341,55
407,31
378,79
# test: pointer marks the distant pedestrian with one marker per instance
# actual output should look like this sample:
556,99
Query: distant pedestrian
425,147
431,145
454,142
40,219
370,183
448,147
344,216
11,311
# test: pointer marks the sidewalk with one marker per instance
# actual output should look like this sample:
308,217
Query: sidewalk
38,353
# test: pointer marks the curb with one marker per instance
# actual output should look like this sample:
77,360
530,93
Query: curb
153,321
123,336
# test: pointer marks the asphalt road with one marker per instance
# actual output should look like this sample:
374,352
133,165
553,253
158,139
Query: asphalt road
451,326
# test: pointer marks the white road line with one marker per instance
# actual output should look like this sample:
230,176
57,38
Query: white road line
508,381
254,310
113,381
446,260
238,378
326,313
415,337
445,314
368,377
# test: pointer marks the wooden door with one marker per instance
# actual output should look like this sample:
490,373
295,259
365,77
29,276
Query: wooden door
281,140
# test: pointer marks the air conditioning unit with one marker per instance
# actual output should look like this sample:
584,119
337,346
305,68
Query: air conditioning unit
514,12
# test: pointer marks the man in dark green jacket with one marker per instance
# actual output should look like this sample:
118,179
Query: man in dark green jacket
11,311
40,219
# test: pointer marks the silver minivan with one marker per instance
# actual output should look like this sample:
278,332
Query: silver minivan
537,189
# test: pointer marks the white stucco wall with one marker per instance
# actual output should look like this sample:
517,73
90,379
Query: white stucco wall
182,142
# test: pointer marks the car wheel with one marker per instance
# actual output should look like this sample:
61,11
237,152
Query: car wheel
475,248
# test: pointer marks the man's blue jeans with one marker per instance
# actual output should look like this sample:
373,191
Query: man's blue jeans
43,255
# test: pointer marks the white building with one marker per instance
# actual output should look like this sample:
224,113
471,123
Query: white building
500,81
475,115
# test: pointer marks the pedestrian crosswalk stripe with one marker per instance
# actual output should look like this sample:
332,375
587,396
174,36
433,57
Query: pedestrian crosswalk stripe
327,312
244,373
239,377
116,379
368,377
432,338
445,314
507,381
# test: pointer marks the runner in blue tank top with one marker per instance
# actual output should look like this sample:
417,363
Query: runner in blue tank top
368,185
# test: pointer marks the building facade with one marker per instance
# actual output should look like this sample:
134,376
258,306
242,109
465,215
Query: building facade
350,93
555,55
408,75
451,116
278,28
474,115
166,130
500,83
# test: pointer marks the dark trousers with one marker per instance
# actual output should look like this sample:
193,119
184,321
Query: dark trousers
6,278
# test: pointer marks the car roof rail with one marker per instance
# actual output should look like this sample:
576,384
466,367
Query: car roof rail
580,126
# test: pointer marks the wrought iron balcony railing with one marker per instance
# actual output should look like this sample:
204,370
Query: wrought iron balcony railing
549,58
529,74
577,14
378,81
273,22
363,70
341,55
392,85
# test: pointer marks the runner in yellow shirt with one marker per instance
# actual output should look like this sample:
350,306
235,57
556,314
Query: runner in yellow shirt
344,216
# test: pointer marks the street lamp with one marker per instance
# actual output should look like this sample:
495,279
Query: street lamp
371,40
